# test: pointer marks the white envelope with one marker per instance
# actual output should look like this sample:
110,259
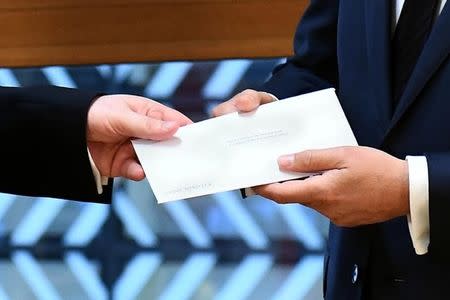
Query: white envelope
241,150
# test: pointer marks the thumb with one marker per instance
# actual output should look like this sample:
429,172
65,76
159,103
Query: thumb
313,160
144,127
250,100
131,169
245,101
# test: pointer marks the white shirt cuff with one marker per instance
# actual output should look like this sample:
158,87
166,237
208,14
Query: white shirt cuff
418,218
100,181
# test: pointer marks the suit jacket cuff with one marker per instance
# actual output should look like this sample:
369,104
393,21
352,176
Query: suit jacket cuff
439,204
54,121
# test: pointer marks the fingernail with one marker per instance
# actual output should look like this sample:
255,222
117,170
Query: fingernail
169,125
285,161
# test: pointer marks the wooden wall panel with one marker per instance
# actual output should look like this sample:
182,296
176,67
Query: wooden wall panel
54,32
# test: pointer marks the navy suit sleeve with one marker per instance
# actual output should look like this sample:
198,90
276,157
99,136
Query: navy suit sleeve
44,151
439,202
314,65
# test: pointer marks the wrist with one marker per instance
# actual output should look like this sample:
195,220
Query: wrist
91,118
99,156
403,180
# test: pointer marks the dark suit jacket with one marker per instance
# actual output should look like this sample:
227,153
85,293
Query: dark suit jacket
346,44
43,150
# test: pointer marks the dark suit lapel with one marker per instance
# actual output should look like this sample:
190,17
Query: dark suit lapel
435,51
378,17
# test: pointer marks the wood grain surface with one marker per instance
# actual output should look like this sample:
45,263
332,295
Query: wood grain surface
72,32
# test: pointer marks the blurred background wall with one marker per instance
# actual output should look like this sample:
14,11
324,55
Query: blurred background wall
213,247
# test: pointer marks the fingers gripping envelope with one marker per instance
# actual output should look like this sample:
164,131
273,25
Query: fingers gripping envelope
240,150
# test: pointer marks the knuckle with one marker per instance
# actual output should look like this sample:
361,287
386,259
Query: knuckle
249,99
144,106
149,124
243,100
155,114
304,159
154,126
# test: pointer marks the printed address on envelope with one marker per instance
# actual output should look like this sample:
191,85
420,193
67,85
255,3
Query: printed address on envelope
241,150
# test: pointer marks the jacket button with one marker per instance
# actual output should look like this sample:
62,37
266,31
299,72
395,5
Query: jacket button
355,274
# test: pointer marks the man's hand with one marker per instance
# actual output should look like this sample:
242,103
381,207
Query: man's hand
245,101
358,186
114,120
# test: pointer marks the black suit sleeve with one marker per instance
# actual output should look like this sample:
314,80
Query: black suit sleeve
43,150
439,202
314,65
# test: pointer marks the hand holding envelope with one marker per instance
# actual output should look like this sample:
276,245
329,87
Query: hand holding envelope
240,150
356,186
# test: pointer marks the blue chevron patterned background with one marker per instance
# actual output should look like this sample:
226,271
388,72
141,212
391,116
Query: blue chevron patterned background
213,247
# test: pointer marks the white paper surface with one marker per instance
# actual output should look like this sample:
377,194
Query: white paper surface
241,150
